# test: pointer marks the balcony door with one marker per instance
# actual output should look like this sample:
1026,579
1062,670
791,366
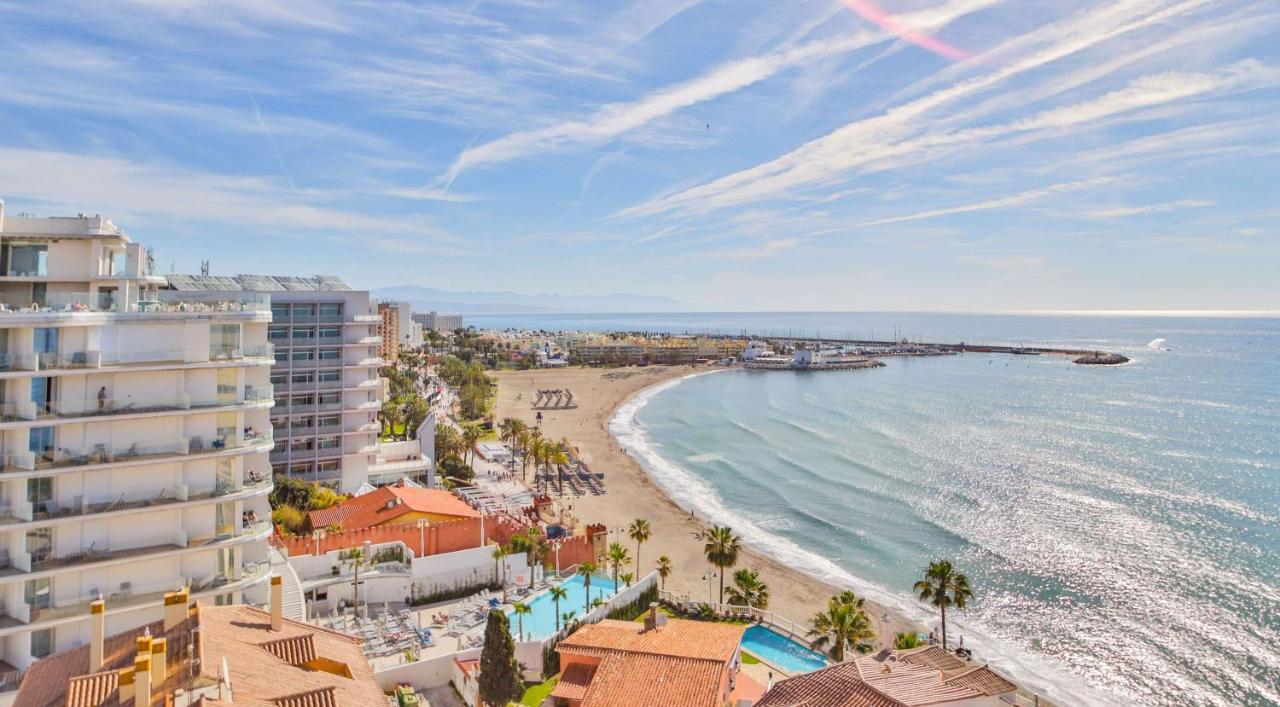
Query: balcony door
42,393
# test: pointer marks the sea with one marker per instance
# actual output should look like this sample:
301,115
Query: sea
1120,526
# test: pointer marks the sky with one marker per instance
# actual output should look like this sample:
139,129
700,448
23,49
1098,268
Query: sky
959,155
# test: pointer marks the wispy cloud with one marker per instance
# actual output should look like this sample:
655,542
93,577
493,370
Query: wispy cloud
1125,211
617,119
766,249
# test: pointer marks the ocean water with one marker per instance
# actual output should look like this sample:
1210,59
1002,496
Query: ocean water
1120,525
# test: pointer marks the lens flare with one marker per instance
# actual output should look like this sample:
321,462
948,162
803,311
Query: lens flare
877,15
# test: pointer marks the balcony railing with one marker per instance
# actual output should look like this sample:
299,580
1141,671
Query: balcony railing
101,551
101,454
29,411
165,301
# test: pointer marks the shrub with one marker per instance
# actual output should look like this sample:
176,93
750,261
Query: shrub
292,520
633,609
323,497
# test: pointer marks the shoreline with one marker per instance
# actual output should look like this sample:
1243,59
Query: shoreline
632,492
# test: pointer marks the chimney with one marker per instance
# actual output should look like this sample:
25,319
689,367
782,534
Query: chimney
175,608
277,593
97,631
126,681
142,681
651,618
159,662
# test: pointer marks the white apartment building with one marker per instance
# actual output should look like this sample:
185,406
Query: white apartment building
327,391
439,322
134,438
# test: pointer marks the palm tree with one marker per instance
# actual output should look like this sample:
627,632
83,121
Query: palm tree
523,440
942,586
521,609
664,571
391,416
616,556
639,532
748,590
722,549
355,558
500,552
558,593
841,627
585,569
507,430
567,618
471,434
557,456
531,449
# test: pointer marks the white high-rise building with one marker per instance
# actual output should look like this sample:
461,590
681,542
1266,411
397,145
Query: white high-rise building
135,437
328,394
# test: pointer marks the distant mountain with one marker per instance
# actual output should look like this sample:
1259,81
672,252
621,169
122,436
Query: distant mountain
445,301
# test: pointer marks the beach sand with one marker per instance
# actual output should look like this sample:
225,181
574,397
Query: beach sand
631,494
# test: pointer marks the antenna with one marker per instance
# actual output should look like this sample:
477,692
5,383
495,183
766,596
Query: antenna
204,268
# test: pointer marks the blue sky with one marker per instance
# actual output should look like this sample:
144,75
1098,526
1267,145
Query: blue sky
733,154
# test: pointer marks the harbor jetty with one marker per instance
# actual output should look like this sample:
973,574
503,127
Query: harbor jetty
867,348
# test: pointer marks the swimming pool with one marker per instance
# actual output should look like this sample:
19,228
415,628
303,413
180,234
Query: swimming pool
781,652
541,621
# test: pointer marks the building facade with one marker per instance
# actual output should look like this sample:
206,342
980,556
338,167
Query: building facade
389,329
135,437
327,391
439,322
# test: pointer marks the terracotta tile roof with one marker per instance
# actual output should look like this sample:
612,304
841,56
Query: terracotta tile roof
95,689
840,685
639,680
889,679
388,503
931,657
323,697
574,681
262,663
294,650
679,639
981,679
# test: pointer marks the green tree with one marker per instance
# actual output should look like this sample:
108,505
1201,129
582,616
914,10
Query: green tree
392,417
943,587
521,609
292,520
722,549
471,435
356,558
616,556
664,571
748,590
626,578
639,532
841,627
500,681
448,441
585,569
905,640
558,593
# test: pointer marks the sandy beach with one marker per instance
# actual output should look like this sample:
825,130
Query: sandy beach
630,493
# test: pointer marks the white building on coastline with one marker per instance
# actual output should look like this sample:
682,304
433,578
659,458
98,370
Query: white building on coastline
328,394
135,437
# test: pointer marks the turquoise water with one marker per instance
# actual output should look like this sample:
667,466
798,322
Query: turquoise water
1120,525
781,652
542,621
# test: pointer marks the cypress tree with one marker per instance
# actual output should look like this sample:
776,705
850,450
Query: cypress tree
500,681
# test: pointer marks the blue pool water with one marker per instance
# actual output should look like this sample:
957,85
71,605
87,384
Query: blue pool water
781,652
541,622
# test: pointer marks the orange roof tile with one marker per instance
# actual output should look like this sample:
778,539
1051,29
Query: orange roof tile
388,503
323,697
574,681
645,680
982,679
95,689
931,656
679,638
294,650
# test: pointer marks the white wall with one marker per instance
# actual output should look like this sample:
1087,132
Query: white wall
433,672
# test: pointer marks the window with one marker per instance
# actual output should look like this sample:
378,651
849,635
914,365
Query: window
39,545
282,400
329,465
38,593
330,376
27,259
331,333
41,642
224,340
302,445
304,334
299,423
46,340
42,393
304,310
304,400
39,493
330,354
333,442
278,378
40,441
279,312
278,422
331,398
300,468
303,376
304,354
331,309
277,333
329,421
279,469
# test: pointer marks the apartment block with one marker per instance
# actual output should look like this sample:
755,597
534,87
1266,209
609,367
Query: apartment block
439,322
389,328
328,395
134,438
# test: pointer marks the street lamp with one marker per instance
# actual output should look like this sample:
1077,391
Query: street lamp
711,586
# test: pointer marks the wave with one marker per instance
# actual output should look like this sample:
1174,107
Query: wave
692,493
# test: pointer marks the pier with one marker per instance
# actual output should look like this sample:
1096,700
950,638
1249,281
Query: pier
917,348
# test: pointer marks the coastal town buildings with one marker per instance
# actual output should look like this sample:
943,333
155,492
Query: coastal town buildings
135,437
894,678
206,656
399,331
661,661
396,504
635,349
325,376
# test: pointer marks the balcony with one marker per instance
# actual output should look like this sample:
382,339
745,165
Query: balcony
86,506
164,302
30,411
78,360
129,595
100,454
